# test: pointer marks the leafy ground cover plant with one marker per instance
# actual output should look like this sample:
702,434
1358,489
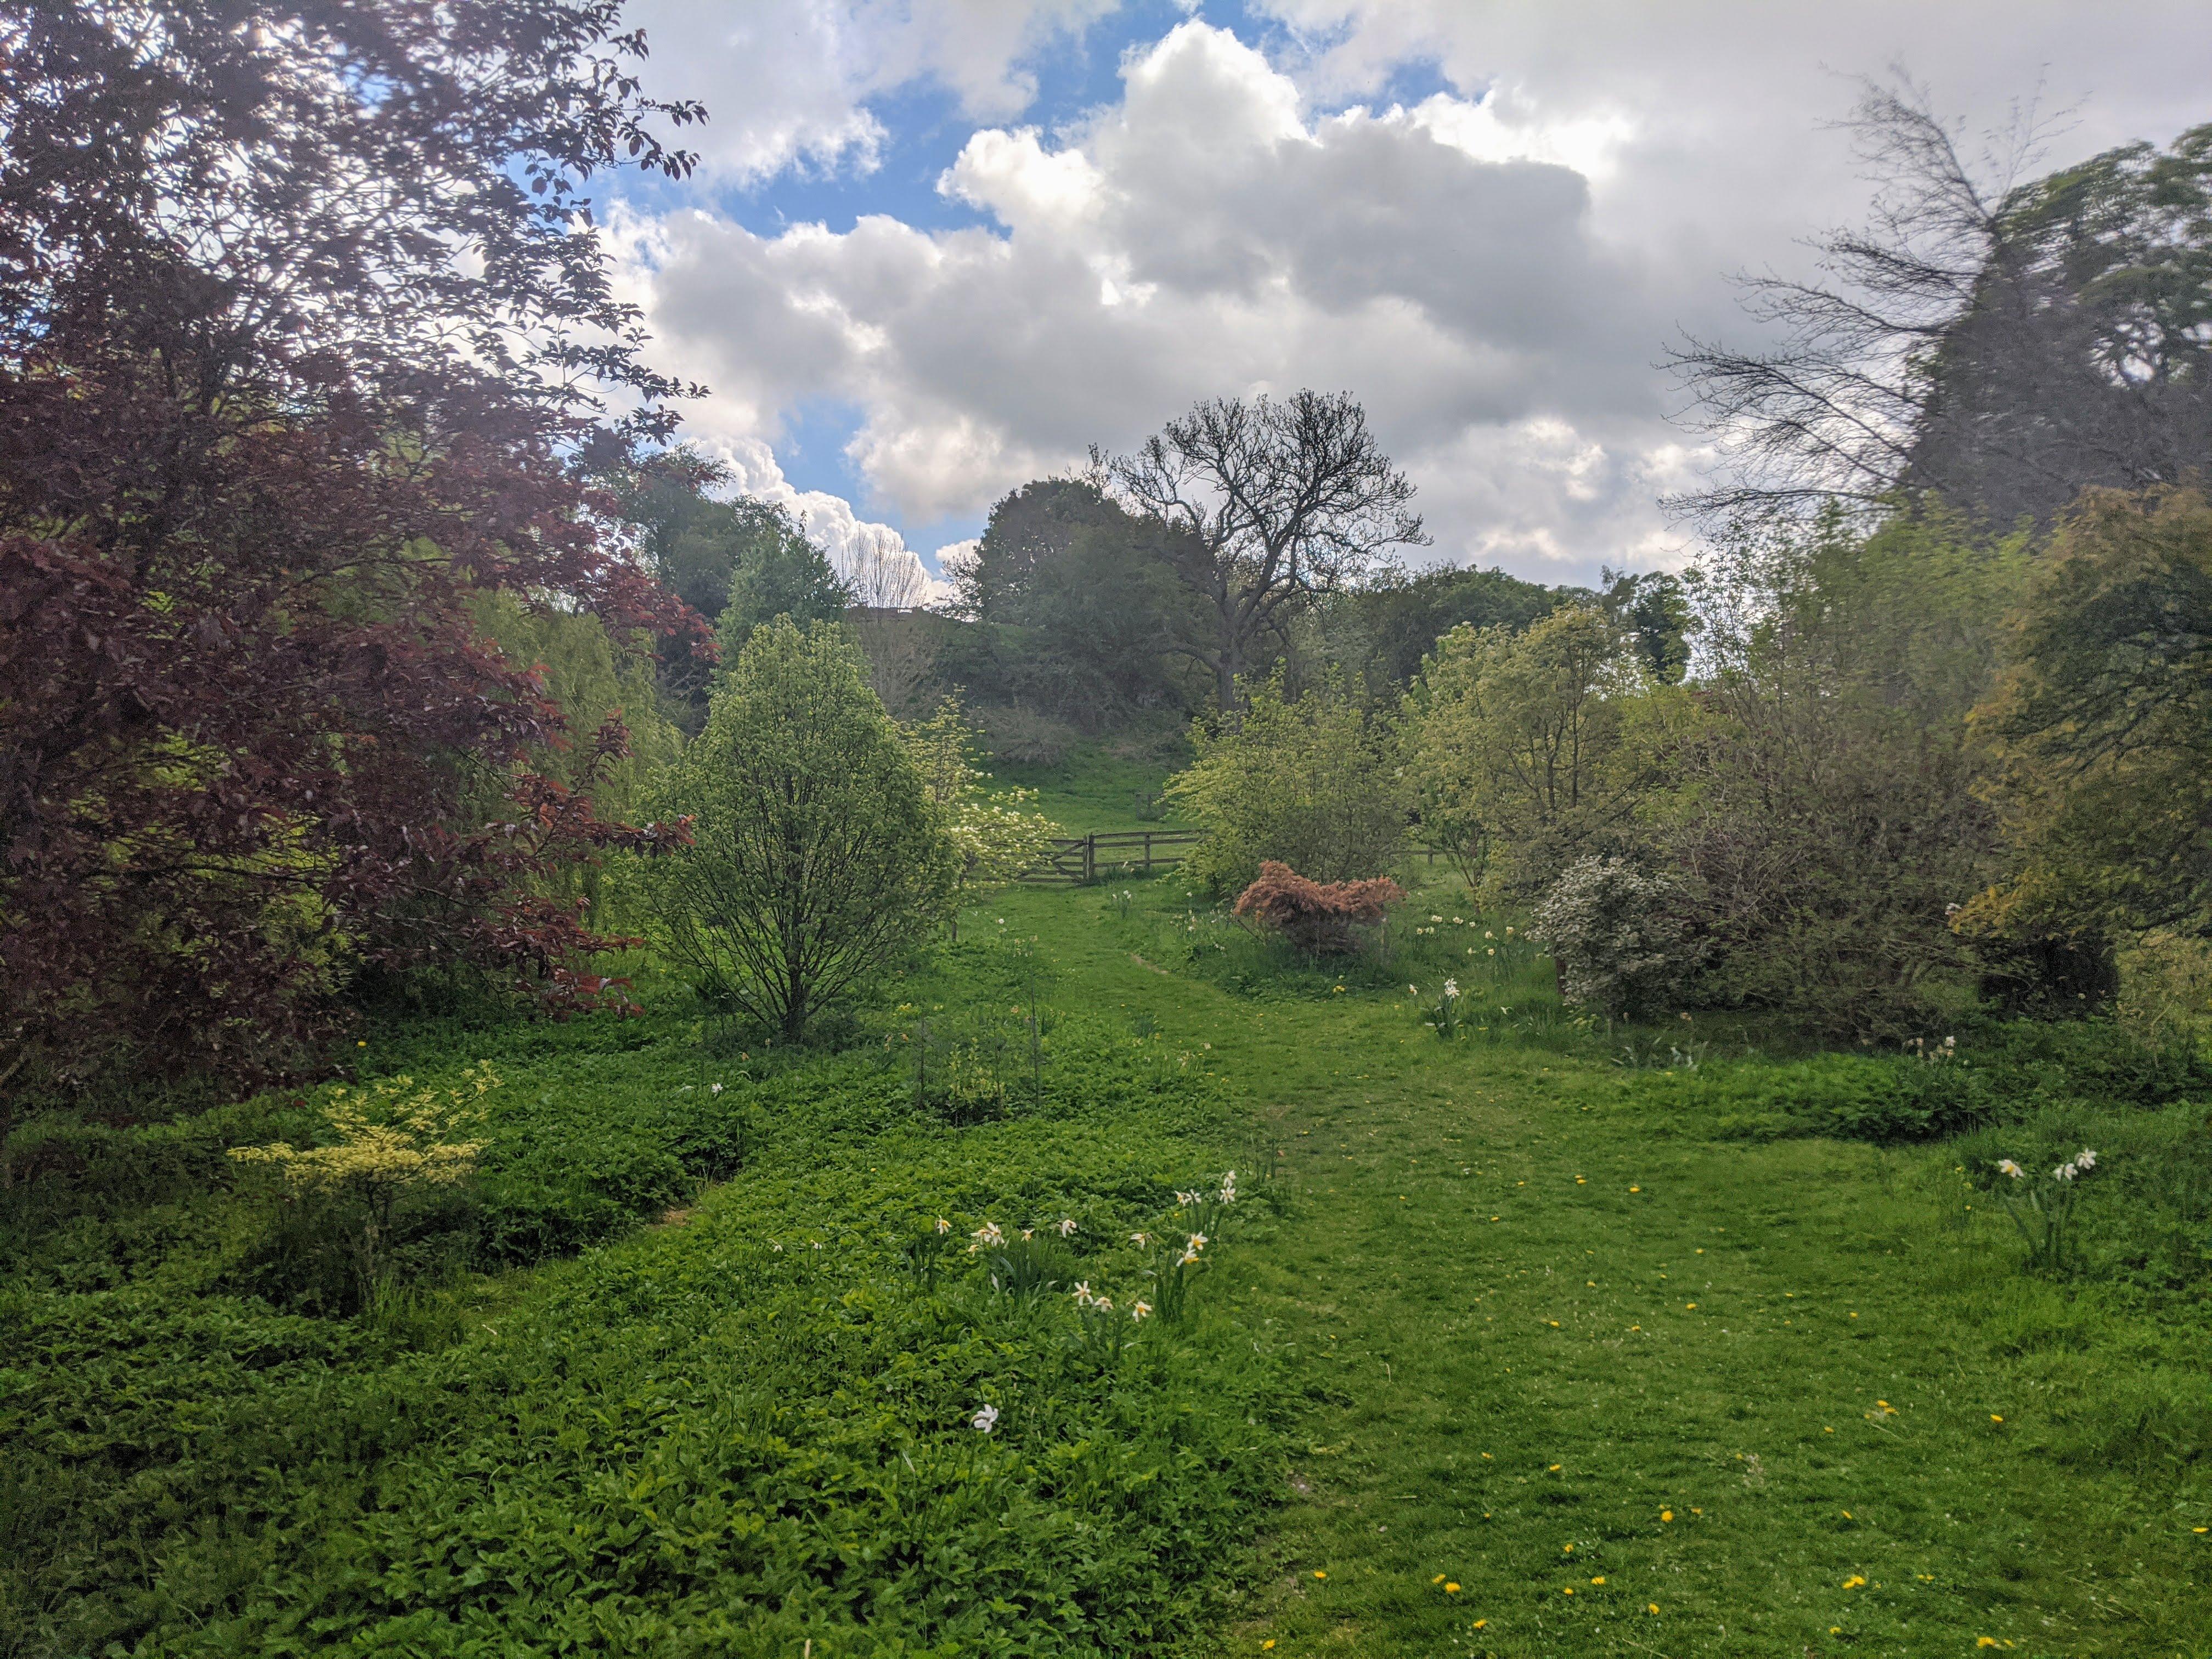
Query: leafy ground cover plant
682,1397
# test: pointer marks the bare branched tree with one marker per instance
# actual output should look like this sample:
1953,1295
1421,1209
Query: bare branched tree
897,636
1995,343
1269,504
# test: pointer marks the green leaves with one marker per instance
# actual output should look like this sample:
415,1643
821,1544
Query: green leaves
817,857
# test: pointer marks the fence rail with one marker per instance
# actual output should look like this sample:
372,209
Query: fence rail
1078,861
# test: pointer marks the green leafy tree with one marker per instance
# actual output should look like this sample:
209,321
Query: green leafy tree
741,560
1655,612
1822,800
817,856
1384,628
1081,605
778,573
2102,723
1317,782
1521,750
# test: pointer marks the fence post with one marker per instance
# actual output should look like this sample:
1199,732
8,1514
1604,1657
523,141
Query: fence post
1091,858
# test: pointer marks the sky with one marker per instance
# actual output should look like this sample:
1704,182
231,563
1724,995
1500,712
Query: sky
937,248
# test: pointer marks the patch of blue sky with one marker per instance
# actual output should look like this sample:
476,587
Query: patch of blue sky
811,446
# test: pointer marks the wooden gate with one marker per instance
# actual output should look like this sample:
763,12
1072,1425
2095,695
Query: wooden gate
1078,861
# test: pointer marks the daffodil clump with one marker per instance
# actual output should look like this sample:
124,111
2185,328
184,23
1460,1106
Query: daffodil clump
1443,1016
1029,1265
2042,1206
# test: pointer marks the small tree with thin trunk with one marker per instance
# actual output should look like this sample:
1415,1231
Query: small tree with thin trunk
817,856
1269,504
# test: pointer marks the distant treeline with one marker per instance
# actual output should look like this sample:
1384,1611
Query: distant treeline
1071,619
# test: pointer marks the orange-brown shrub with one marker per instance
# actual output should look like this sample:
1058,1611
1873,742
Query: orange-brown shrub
1314,916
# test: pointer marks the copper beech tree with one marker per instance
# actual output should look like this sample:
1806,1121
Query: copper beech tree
306,343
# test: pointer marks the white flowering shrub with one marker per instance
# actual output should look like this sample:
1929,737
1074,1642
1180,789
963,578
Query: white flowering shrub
1620,936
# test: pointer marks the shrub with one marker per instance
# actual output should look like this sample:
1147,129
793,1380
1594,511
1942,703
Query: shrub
816,855
392,1141
1851,1097
1619,937
1317,918
2005,1074
997,838
1022,737
1314,783
1823,800
1525,745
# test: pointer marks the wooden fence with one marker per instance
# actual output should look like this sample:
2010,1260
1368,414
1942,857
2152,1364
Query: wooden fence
1078,861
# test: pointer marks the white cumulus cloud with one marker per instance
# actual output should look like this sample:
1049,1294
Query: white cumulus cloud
1493,269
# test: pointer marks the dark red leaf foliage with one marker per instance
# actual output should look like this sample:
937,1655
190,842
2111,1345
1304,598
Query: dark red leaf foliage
305,341
1316,917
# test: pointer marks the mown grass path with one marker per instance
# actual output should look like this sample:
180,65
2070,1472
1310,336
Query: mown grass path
1644,1393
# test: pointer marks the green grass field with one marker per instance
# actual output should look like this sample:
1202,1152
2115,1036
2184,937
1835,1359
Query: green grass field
1796,1396
1507,1350
1099,788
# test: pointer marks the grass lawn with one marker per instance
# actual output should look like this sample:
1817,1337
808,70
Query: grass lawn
1632,1391
1505,1354
1097,789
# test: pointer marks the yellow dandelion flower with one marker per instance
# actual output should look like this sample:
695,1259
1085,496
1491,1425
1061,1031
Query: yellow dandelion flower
1319,1575
1651,1607
1597,1581
1554,1470
1479,1622
1994,1418
1666,1514
1855,1581
1438,1579
1451,1590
